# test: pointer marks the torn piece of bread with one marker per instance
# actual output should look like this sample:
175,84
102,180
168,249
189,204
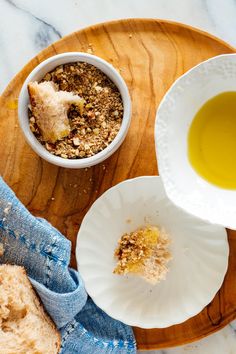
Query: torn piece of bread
24,326
49,108
144,252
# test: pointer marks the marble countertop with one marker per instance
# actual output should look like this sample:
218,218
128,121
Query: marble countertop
28,26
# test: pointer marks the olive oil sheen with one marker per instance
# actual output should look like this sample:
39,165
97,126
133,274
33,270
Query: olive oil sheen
212,141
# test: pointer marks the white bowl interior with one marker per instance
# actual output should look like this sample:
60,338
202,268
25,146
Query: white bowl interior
197,270
38,73
174,116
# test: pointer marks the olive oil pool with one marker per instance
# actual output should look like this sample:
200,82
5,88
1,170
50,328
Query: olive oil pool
212,141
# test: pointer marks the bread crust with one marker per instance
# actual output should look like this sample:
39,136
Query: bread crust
21,274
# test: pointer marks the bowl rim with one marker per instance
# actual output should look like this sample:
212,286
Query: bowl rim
139,324
174,194
121,86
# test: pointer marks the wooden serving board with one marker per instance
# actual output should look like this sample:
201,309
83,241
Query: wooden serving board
150,55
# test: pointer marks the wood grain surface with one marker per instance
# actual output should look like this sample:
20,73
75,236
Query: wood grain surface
150,55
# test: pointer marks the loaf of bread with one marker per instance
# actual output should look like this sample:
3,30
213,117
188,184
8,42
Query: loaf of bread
49,107
25,328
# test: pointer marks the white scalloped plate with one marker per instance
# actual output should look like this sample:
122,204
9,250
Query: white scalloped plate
200,256
175,113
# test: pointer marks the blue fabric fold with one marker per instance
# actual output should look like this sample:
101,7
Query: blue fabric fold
45,253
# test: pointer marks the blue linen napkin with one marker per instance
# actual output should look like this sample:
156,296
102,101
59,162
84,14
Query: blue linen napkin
45,253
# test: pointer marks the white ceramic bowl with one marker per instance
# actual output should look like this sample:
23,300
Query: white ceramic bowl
38,73
180,104
196,272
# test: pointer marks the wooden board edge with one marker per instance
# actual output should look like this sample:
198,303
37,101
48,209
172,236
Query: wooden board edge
191,340
115,22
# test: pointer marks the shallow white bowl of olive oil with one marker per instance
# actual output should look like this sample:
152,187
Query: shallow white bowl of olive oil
195,136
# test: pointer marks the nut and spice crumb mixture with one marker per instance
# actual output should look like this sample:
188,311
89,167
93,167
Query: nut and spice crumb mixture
96,126
144,252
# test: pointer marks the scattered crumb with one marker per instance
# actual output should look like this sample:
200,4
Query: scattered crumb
85,191
7,209
90,49
147,220
103,167
52,198
130,35
128,221
75,185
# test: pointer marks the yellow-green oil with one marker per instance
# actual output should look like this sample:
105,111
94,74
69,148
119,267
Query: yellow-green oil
212,141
